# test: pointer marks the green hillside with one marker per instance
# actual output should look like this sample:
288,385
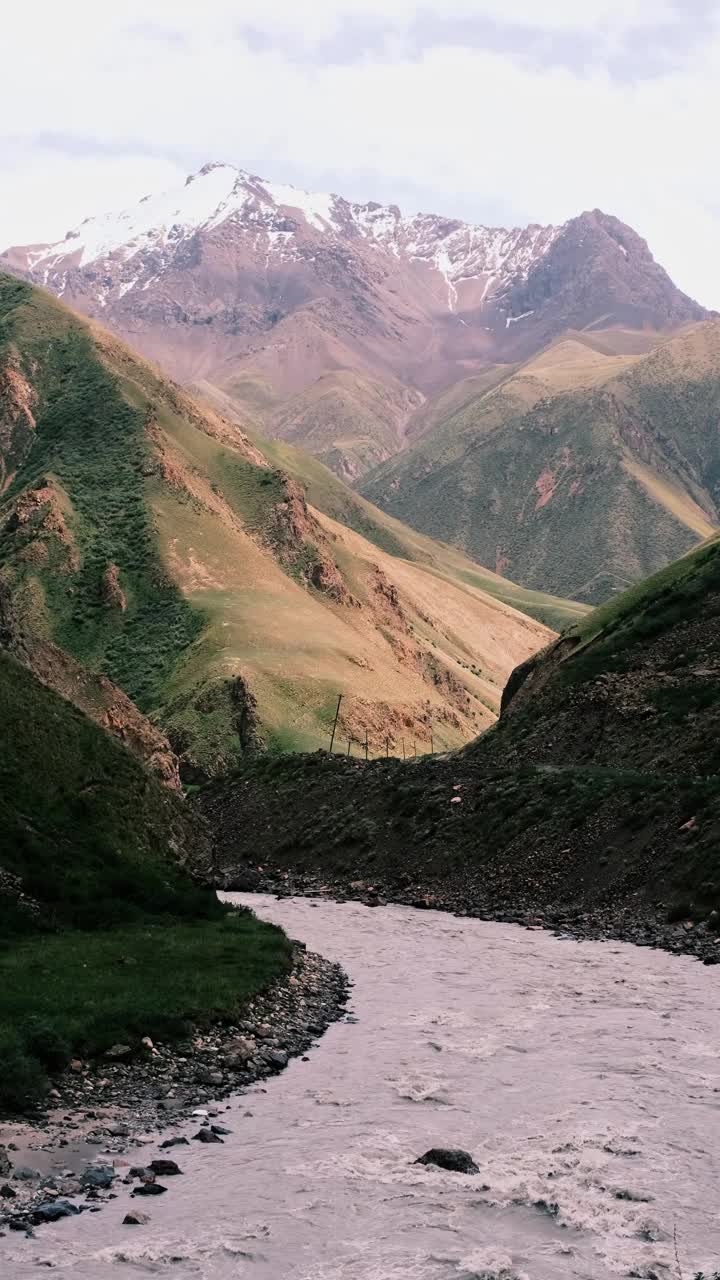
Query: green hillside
581,472
105,937
153,541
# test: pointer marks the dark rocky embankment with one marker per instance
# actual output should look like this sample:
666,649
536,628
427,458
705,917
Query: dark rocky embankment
593,805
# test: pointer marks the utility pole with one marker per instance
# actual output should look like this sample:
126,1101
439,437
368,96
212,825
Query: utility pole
337,713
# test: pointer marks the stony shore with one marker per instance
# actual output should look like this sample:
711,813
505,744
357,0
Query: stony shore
640,926
68,1158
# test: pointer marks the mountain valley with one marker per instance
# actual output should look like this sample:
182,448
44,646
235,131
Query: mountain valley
511,392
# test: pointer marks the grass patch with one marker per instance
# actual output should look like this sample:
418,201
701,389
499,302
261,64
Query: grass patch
81,992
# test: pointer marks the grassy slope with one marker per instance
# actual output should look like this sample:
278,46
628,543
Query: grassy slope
348,421
329,495
127,474
597,789
612,454
120,943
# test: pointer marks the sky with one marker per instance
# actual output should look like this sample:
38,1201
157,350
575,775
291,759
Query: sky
502,112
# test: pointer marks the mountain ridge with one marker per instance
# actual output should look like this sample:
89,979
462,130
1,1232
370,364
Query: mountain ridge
161,547
232,275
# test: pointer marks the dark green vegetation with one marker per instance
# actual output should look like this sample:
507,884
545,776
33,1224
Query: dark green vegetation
598,790
579,473
92,443
79,993
103,936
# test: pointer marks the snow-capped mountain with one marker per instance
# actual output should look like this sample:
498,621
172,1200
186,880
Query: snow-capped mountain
272,214
231,279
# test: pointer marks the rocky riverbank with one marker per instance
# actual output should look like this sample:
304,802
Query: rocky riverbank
103,1115
642,926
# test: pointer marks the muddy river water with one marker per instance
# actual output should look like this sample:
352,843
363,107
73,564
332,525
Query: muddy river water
583,1077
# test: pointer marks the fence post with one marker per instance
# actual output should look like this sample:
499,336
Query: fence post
337,713
403,746
387,748
350,741
366,744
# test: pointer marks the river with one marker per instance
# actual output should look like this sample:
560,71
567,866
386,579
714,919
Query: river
583,1077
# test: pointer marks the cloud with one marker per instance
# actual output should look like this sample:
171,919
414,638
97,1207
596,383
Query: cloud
137,96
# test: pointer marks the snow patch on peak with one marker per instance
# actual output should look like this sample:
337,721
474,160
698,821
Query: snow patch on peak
317,208
219,192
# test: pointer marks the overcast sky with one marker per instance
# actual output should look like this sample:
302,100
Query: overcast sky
498,111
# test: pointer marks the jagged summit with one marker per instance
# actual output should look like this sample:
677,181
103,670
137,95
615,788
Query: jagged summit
220,192
266,291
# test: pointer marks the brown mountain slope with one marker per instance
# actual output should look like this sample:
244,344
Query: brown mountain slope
580,472
157,545
232,279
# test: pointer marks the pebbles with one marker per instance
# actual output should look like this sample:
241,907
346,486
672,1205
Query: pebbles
136,1090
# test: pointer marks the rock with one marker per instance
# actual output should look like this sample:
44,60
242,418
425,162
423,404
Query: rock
206,1135
164,1168
7,1193
211,1077
53,1211
119,1130
5,1164
276,1058
98,1177
149,1189
24,1174
137,1171
452,1159
117,1051
136,1218
243,879
242,1049
174,1142
218,1128
111,593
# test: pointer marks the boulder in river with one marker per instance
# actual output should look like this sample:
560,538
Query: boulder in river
164,1168
149,1189
450,1158
136,1218
174,1142
53,1211
98,1177
206,1135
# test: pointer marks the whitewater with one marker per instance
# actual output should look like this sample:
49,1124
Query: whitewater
584,1078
